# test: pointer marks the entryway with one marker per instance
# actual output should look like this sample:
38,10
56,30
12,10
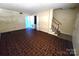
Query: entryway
30,22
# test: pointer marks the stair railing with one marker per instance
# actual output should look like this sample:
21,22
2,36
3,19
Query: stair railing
56,25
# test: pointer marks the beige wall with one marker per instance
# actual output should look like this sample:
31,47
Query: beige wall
11,20
67,18
44,21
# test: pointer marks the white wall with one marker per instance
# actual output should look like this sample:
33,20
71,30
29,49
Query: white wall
11,20
67,18
43,21
76,36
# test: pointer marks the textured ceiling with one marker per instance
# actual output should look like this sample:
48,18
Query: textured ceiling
32,8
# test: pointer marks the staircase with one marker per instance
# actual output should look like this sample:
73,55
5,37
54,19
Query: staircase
56,26
56,30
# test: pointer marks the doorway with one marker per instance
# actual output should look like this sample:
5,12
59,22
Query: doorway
30,22
35,22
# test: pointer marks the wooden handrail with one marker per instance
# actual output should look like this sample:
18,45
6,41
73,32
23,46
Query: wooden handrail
56,21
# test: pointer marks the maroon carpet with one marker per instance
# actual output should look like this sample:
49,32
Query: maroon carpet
33,43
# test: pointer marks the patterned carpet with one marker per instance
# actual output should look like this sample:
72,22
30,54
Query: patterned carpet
33,43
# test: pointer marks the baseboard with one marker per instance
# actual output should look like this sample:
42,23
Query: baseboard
12,30
65,36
